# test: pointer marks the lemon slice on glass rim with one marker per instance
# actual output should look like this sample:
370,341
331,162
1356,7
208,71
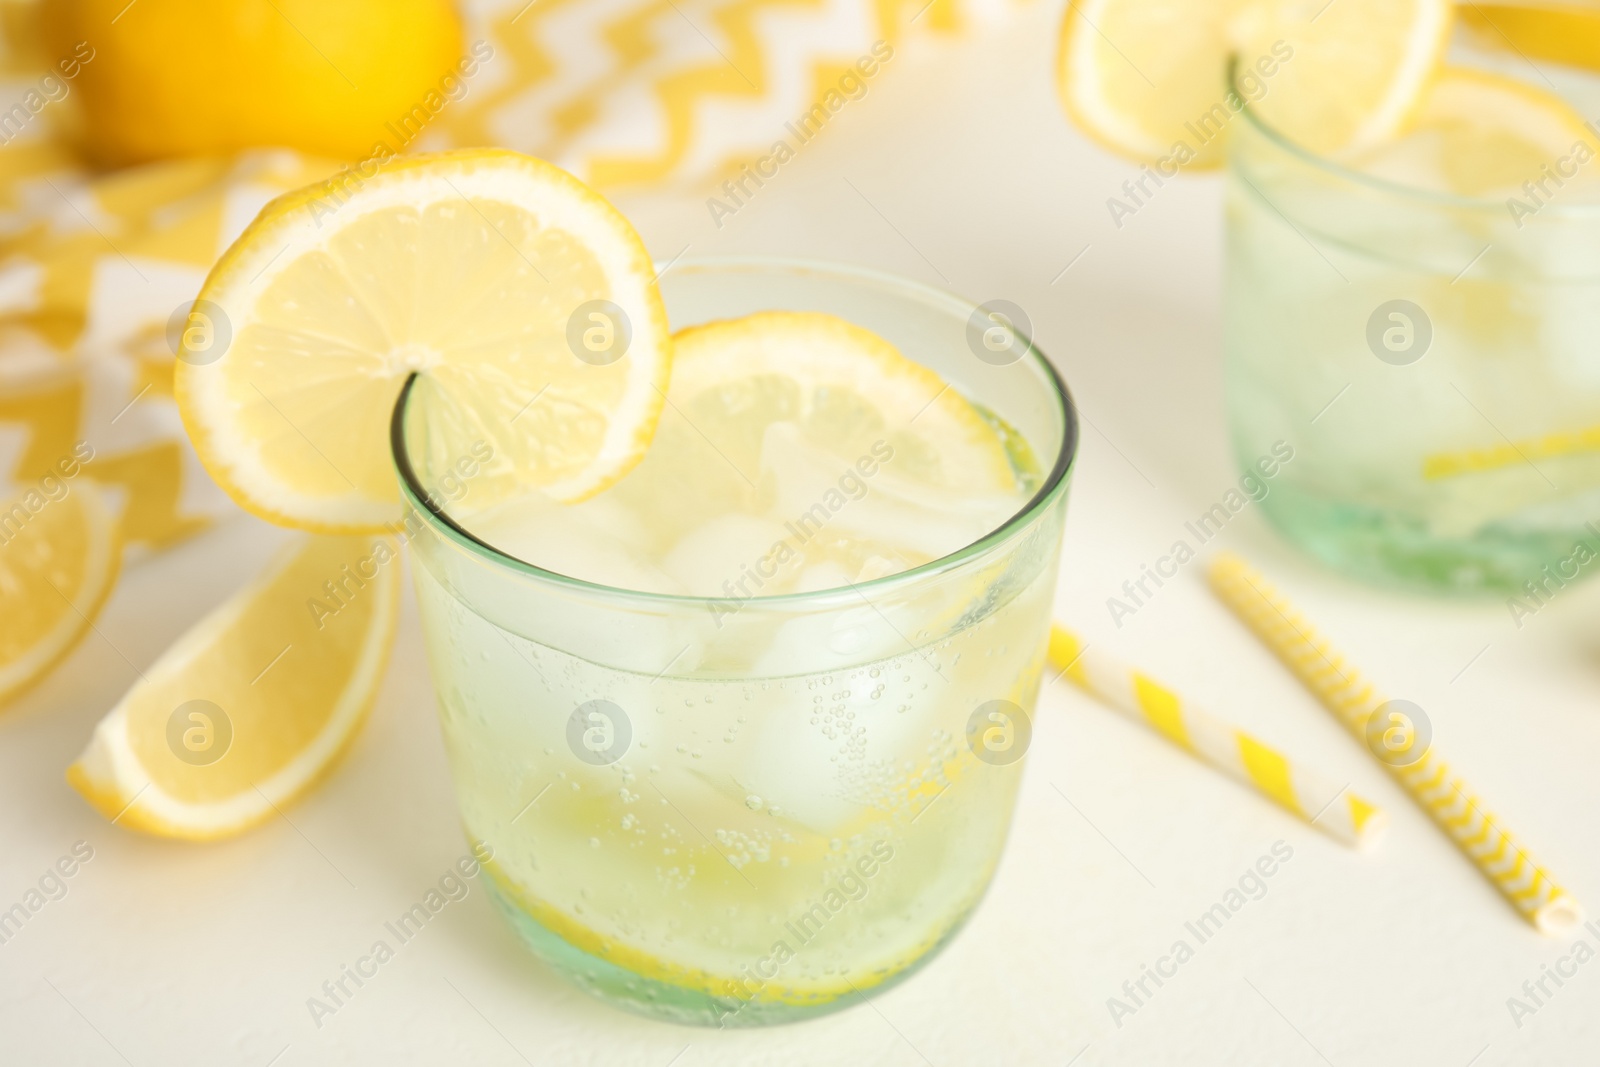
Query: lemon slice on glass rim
523,300
1479,134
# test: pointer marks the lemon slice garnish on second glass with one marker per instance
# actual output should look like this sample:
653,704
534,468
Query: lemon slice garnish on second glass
1480,134
525,302
1143,76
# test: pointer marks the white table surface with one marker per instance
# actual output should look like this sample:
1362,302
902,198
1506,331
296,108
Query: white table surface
959,170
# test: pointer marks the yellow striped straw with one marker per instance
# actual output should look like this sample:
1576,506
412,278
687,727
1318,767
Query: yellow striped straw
1315,798
1510,453
1426,777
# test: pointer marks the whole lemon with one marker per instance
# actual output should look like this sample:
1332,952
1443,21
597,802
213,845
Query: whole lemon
156,79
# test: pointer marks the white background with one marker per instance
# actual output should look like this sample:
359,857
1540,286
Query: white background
965,175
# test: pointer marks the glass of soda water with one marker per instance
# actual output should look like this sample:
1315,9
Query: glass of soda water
746,809
1430,358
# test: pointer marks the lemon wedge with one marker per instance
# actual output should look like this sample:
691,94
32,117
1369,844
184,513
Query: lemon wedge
1148,78
524,301
59,556
256,702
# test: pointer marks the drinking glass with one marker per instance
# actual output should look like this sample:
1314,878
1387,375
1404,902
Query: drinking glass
744,811
1430,360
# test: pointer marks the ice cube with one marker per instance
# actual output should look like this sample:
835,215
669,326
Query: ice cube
731,555
590,543
877,567
830,640
820,576
830,766
817,491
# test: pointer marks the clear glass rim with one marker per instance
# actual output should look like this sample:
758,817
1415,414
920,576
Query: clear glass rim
1398,190
426,505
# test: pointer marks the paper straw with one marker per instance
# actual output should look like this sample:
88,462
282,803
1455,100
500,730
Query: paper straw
1428,779
1316,798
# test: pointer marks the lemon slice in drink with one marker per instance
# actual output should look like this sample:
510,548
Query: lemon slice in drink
256,702
1148,78
1482,134
734,988
844,395
842,383
59,557
524,300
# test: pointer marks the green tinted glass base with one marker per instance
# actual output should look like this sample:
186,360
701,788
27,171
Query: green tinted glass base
660,1000
1390,549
